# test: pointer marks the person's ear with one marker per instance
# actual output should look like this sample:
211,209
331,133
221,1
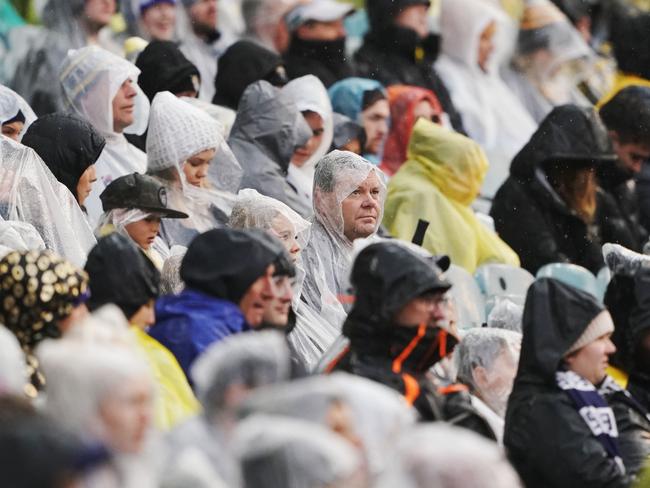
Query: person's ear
613,136
480,376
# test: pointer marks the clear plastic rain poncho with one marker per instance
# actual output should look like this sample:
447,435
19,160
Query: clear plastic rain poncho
309,94
171,282
250,360
444,456
328,256
492,115
278,452
91,77
497,352
550,60
13,370
10,104
178,131
311,335
81,374
376,414
267,131
224,115
505,314
19,236
30,193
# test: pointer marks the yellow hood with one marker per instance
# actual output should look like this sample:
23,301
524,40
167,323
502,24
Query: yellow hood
455,164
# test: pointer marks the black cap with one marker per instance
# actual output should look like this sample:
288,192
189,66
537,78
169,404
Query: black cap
224,263
141,192
120,273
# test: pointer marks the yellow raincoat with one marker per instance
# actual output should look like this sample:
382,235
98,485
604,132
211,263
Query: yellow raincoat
442,176
175,400
621,80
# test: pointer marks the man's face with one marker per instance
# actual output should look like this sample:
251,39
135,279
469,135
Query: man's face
486,45
159,20
303,153
321,31
361,209
124,106
591,361
631,156
415,18
430,309
375,122
99,12
276,313
85,184
257,298
204,15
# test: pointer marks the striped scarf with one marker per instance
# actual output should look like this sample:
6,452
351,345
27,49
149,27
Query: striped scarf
594,410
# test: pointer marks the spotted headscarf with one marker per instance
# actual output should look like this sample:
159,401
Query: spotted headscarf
37,289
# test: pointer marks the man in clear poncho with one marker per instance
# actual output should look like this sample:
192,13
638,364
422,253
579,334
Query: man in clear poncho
267,131
186,150
550,61
30,193
70,24
311,98
102,88
349,194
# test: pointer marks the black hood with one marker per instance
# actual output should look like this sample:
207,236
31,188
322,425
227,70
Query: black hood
164,68
382,13
386,276
243,63
224,263
628,300
569,134
67,144
630,35
555,316
121,274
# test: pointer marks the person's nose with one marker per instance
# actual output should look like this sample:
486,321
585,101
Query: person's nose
610,347
129,90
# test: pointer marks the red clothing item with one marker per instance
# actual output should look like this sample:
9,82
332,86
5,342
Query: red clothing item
403,100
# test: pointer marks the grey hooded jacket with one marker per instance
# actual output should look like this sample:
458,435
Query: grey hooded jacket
266,132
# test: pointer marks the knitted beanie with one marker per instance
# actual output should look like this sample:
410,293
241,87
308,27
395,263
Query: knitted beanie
602,324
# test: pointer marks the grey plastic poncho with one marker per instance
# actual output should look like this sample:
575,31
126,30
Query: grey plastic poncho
444,456
30,193
91,77
178,131
377,414
36,76
309,94
277,452
328,256
482,347
267,131
10,104
311,334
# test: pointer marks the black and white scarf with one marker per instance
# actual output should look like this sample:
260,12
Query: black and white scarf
594,410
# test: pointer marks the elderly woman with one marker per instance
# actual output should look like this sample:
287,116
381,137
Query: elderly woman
487,363
308,334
